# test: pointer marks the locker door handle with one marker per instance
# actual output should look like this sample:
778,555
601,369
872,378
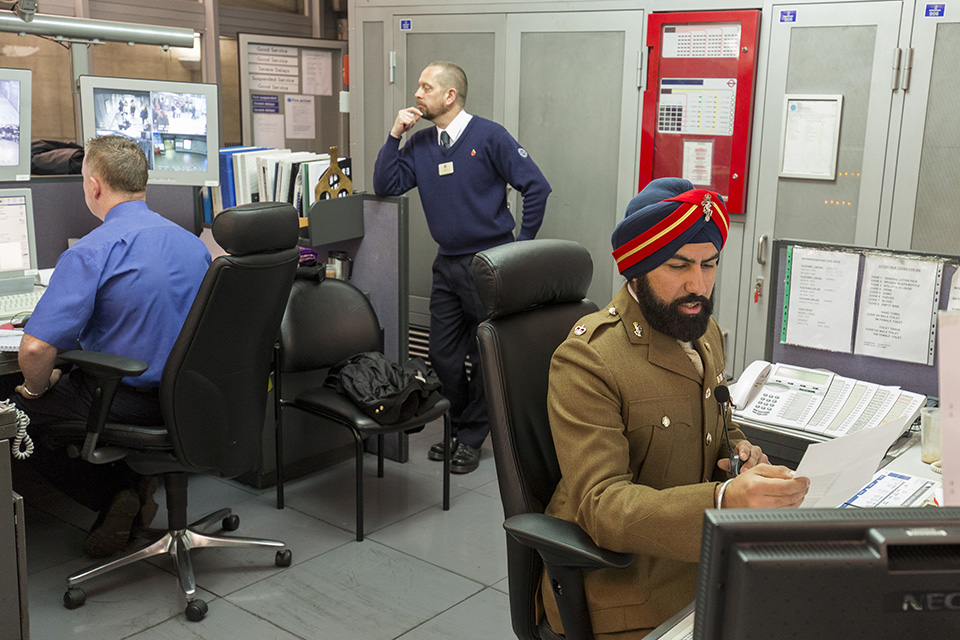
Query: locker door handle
895,76
761,249
907,69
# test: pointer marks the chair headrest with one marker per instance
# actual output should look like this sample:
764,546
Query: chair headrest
516,276
257,227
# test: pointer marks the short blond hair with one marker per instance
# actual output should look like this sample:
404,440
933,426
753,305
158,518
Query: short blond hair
119,162
452,77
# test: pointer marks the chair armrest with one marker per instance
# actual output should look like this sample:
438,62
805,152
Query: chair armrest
106,369
104,366
562,543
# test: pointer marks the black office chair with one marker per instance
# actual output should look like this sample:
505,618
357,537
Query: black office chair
327,321
534,292
213,391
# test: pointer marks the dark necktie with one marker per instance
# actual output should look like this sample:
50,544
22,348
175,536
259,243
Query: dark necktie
445,140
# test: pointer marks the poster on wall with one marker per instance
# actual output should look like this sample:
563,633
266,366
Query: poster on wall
810,135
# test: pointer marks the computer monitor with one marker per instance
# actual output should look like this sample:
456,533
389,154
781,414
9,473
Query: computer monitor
161,116
15,102
829,573
18,251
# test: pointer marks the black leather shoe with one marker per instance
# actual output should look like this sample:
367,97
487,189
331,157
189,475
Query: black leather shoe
465,459
436,451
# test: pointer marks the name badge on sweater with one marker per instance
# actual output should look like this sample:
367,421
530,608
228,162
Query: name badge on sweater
445,168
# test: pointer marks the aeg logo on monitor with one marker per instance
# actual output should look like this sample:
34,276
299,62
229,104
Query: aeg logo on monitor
926,601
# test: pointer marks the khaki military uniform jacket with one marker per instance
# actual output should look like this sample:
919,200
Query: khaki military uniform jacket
638,435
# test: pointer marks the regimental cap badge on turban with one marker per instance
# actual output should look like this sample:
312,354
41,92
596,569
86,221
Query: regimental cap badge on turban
668,214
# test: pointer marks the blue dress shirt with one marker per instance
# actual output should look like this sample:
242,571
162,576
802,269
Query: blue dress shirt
124,288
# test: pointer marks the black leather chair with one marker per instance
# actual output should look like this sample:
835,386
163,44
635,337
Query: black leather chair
213,391
327,321
534,292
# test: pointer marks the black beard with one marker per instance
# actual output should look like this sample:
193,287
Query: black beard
667,318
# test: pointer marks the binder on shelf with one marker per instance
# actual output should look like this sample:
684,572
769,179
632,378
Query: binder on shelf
227,185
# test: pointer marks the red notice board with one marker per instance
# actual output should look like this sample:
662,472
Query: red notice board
698,100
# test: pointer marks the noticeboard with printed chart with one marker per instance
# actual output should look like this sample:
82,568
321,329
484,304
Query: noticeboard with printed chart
290,92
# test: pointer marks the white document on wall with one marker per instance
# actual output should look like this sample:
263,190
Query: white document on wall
317,72
839,468
898,303
810,136
820,303
953,302
268,130
301,117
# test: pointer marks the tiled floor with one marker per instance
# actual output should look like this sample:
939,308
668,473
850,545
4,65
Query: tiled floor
420,574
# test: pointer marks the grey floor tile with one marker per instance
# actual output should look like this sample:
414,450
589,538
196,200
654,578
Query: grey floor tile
481,617
225,570
467,540
485,473
329,494
503,586
226,622
118,604
491,489
361,591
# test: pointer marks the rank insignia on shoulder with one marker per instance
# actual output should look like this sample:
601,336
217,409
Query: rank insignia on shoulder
580,329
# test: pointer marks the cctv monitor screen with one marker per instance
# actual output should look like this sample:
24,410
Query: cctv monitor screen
15,86
175,123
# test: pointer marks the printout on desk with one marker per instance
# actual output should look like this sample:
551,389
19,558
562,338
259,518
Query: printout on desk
841,467
10,339
892,489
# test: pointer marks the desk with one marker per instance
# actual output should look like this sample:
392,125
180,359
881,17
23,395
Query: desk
680,626
909,462
13,592
8,363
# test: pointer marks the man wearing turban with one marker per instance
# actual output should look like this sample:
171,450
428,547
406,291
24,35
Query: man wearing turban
639,436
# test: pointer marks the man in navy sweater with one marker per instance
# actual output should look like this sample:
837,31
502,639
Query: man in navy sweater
462,167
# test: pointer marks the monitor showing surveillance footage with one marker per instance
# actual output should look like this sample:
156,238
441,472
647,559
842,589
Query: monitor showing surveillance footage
15,85
175,123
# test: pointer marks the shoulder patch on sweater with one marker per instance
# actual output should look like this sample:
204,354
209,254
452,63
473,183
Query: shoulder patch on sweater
523,152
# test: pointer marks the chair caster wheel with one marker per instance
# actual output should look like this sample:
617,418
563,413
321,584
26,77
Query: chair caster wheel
196,610
74,597
231,523
284,558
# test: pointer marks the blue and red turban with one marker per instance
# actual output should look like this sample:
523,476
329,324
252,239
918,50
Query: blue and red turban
668,214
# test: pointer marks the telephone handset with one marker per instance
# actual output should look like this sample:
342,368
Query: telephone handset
749,383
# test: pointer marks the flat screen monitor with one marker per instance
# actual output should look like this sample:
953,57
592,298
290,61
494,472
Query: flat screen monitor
829,573
15,96
175,123
17,244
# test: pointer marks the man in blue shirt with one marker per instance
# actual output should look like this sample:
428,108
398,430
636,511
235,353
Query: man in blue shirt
462,167
124,288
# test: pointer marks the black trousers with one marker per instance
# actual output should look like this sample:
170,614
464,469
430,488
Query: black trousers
455,313
92,485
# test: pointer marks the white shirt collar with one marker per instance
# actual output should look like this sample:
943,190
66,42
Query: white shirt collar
456,126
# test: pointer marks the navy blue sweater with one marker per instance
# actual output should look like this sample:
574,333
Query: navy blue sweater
466,210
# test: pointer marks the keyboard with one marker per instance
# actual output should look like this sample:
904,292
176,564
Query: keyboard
19,303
